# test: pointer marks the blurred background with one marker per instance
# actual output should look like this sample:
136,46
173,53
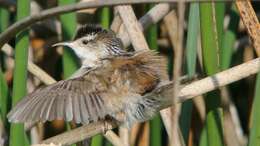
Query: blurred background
227,116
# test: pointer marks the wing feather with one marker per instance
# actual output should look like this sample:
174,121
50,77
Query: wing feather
37,109
86,99
47,108
76,109
99,103
83,110
93,111
73,99
28,109
60,108
42,112
52,113
68,108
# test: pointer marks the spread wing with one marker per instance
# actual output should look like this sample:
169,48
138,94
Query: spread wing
86,99
77,99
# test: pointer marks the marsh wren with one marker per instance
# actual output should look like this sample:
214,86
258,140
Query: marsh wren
110,83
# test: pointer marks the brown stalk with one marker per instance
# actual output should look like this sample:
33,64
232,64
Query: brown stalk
113,138
153,16
124,134
171,25
116,23
133,28
251,23
177,71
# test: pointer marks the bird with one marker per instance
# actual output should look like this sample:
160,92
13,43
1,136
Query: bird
111,83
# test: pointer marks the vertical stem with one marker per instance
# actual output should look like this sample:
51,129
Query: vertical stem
17,135
155,131
219,15
155,123
210,50
191,52
229,39
192,38
203,138
255,129
3,97
209,41
105,17
176,139
4,21
231,137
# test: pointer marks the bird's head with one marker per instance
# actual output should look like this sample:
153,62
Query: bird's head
93,43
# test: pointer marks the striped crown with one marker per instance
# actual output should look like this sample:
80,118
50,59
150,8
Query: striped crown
88,29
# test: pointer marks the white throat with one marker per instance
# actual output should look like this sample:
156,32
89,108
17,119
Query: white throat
88,59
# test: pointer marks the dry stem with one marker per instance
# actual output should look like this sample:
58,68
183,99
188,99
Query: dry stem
250,20
132,27
153,16
177,70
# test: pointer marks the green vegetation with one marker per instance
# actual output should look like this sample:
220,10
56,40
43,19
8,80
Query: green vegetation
191,49
155,123
69,25
17,134
210,51
254,138
4,20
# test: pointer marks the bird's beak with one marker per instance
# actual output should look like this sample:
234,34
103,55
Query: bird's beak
68,44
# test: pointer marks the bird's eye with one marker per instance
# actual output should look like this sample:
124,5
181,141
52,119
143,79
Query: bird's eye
84,42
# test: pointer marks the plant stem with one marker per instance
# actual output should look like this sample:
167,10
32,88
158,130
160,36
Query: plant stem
210,50
191,52
17,135
155,123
